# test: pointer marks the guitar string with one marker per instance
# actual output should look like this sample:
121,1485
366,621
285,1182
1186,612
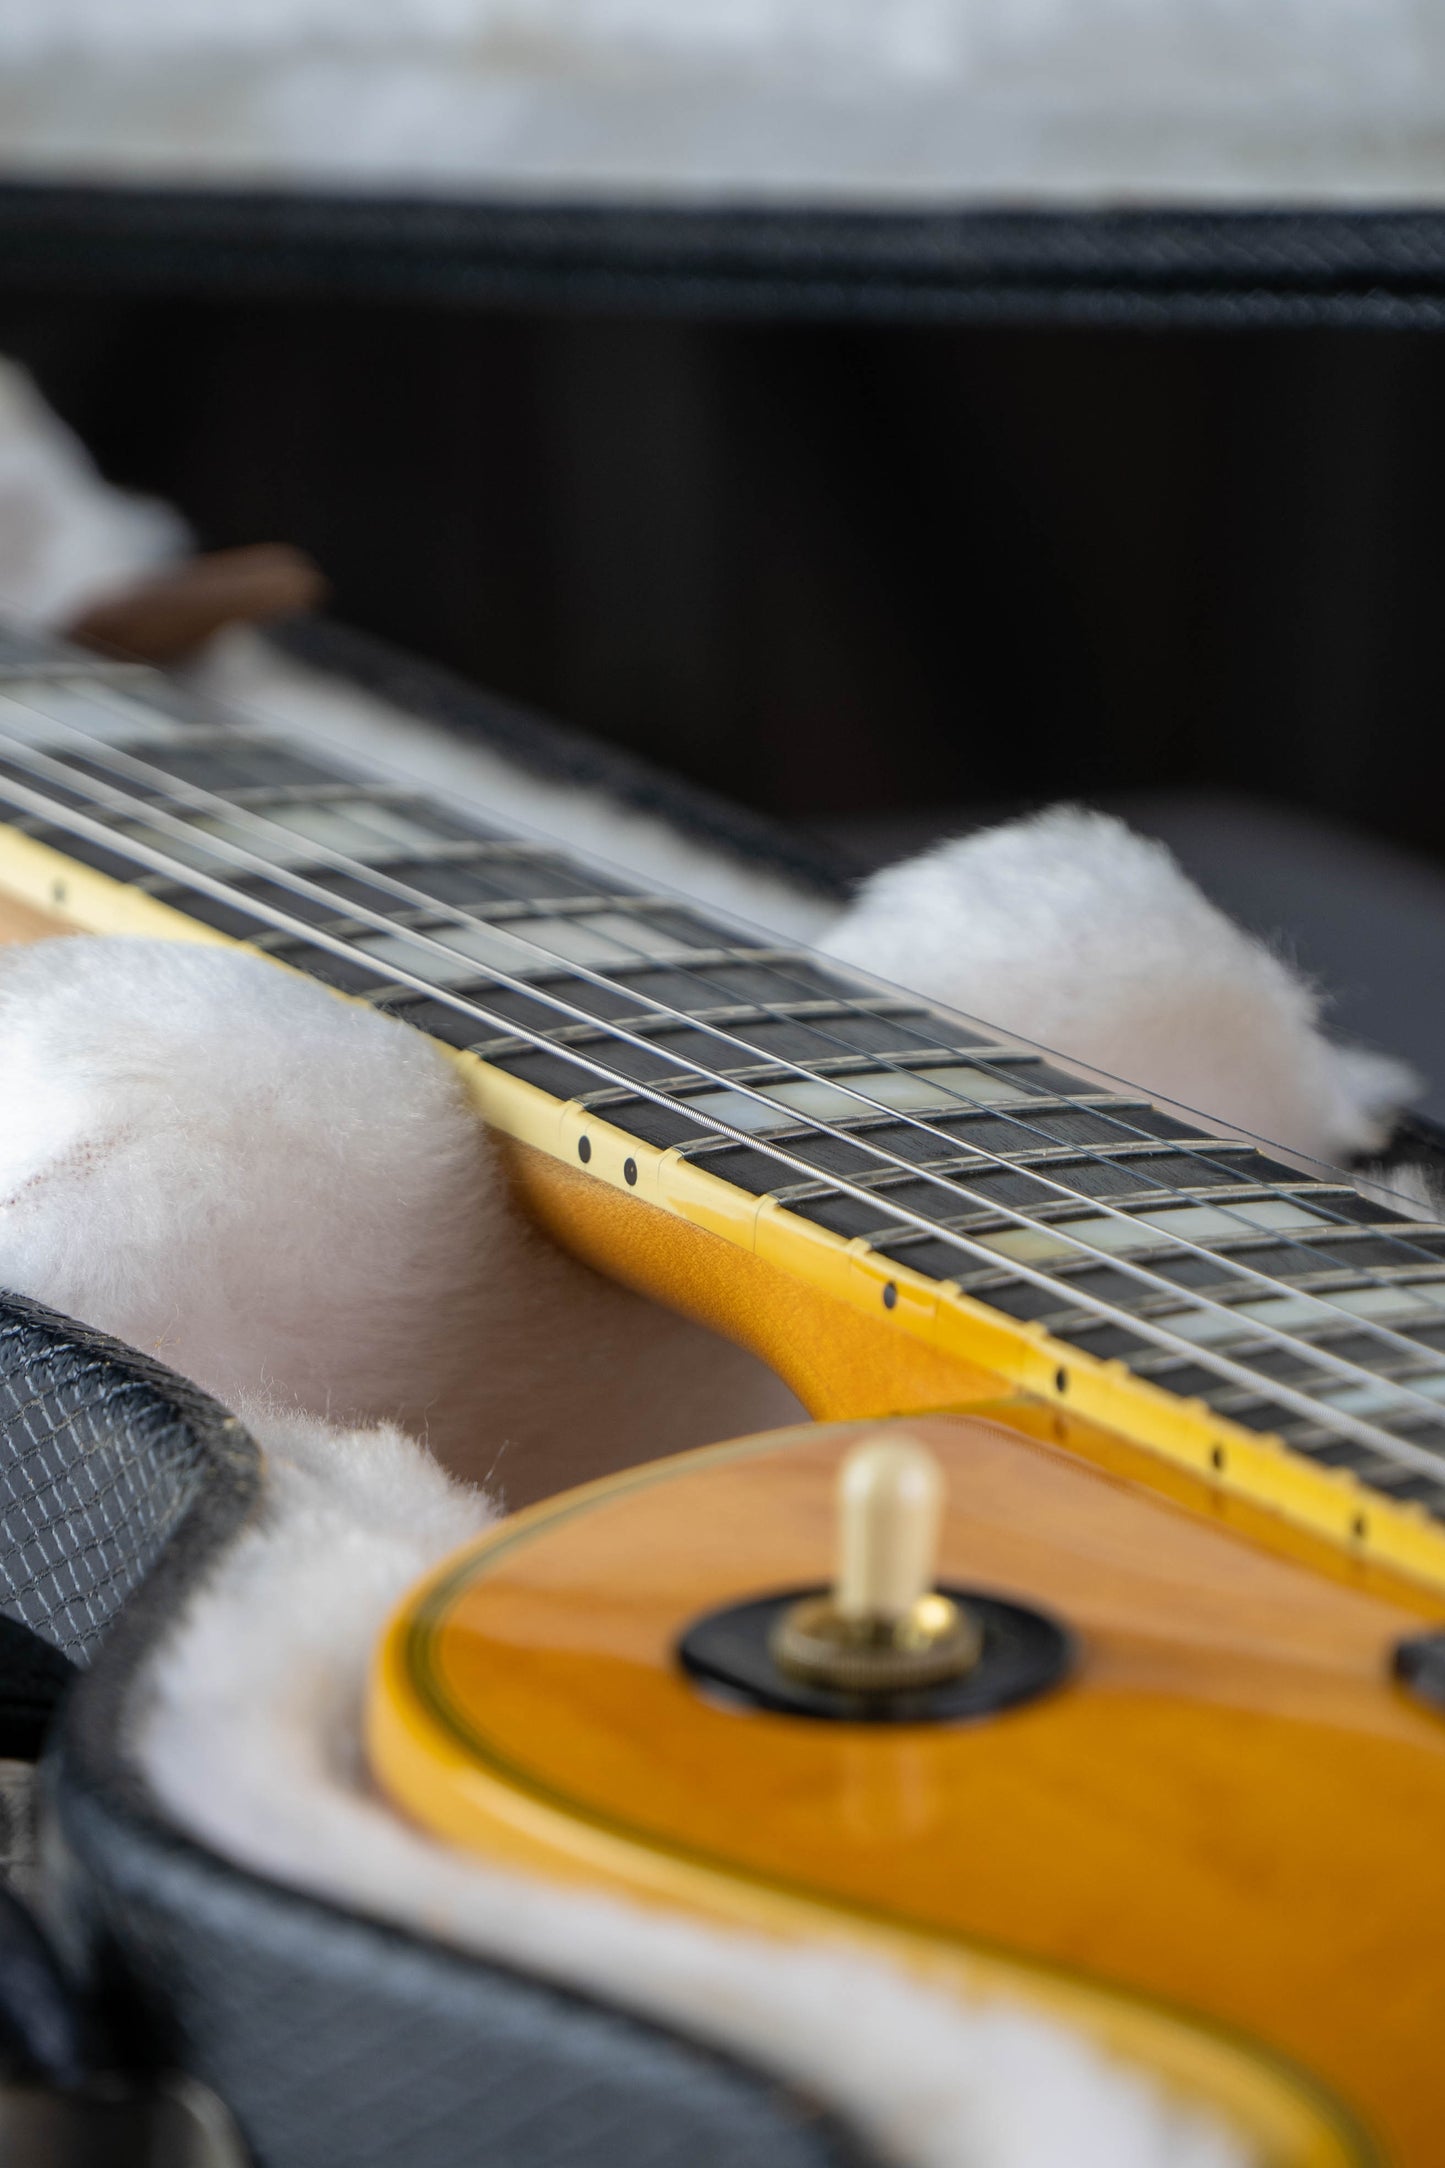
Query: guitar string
1069,1199
433,908
1257,1389
1389,1452
1394,1449
1072,1199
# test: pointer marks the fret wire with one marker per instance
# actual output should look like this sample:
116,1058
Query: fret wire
1427,1360
286,880
1138,1145
1395,1449
1070,1199
1248,1347
949,1236
1141,1141
990,1062
1135,1140
983,1063
1138,1141
1425,1367
1144,1139
1274,1399
882,1062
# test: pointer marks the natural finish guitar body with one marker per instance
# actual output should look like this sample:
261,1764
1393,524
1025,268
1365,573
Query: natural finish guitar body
1229,1811
1232,1811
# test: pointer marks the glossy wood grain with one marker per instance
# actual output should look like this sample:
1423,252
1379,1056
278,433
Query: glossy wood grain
1232,1808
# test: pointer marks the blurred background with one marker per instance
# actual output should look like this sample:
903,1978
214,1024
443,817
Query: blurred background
889,419
836,570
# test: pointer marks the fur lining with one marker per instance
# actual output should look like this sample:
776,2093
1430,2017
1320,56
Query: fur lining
65,538
287,1196
1071,930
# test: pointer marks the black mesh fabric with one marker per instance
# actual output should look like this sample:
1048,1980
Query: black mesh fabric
337,2043
98,1470
1152,267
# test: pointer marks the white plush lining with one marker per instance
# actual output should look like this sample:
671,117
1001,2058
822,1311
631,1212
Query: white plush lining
921,102
1074,932
65,538
284,1195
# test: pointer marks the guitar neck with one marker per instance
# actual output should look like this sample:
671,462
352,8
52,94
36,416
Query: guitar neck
1281,1333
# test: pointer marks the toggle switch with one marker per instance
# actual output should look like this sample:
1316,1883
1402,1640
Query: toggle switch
883,1627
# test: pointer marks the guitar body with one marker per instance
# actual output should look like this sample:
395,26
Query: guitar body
1228,1811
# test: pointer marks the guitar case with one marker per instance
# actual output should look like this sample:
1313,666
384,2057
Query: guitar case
322,2038
1152,266
334,2041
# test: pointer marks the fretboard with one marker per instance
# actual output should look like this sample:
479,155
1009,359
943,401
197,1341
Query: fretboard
1288,1304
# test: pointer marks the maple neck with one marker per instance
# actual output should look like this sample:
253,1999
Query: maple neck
1290,1303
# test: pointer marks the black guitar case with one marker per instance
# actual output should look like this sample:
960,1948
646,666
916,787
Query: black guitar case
334,2041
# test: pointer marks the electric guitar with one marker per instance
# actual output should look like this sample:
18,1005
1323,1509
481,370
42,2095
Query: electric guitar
1182,1774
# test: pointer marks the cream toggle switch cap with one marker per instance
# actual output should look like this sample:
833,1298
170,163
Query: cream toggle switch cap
883,1629
890,1506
